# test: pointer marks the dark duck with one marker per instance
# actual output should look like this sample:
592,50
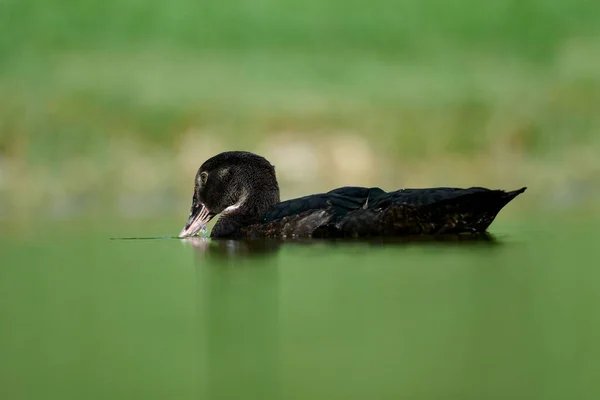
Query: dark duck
242,188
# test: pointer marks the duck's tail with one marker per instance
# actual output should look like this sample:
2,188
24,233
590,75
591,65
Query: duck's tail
489,200
479,210
507,197
511,195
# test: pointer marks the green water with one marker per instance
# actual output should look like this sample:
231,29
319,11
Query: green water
86,317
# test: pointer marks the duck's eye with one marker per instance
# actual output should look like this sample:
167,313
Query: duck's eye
203,177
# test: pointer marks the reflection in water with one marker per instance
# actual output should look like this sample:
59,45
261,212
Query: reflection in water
212,248
247,325
284,328
238,322
447,239
209,248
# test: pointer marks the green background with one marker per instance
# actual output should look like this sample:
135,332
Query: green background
107,108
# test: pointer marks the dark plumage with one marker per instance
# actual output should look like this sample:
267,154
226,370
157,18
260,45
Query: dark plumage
243,188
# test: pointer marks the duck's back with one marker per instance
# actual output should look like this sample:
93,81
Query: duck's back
359,211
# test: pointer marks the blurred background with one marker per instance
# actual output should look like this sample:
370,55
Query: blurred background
109,107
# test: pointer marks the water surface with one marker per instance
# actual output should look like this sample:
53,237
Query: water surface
86,317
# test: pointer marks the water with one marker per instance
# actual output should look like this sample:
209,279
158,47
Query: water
86,317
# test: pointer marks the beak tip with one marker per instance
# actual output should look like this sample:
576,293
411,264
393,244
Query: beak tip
196,223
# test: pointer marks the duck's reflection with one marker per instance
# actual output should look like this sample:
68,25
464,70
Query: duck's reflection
244,248
446,239
238,318
234,248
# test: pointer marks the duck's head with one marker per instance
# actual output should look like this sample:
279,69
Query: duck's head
233,182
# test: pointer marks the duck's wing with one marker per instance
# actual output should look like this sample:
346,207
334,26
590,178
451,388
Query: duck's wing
350,198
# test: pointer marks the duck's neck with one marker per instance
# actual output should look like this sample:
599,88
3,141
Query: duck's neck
247,210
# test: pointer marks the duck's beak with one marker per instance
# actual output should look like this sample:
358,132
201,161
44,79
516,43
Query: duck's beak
199,217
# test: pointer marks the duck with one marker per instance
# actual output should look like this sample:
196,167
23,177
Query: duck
241,187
